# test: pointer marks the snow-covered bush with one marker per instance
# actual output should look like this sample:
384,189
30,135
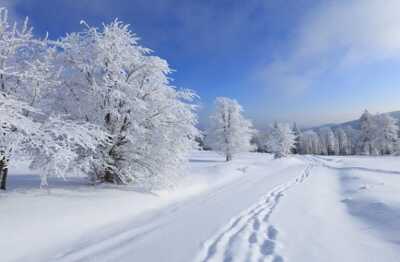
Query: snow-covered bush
229,132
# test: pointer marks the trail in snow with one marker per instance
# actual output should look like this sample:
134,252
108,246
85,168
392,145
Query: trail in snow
337,165
250,236
175,232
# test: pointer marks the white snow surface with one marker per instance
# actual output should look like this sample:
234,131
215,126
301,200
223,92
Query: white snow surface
255,208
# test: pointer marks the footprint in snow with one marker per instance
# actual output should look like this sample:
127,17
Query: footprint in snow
278,259
253,238
272,232
267,248
256,224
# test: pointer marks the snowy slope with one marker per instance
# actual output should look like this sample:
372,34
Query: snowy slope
252,209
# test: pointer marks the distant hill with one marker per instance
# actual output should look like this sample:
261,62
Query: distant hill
354,123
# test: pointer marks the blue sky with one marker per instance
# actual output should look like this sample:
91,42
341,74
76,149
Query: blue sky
308,61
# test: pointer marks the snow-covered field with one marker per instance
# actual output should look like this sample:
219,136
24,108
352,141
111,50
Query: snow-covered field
254,208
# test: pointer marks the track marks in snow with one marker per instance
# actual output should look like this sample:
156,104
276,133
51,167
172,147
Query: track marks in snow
325,162
249,236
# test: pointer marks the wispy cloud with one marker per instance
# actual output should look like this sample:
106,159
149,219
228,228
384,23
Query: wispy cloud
336,36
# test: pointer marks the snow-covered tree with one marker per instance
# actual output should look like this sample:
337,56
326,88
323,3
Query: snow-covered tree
316,144
54,145
297,133
282,140
387,134
229,133
329,141
310,143
304,143
109,80
353,137
379,134
368,134
26,73
258,142
343,142
27,68
8,137
95,101
259,139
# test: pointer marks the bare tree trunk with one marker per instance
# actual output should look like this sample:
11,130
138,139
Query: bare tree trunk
3,174
114,154
228,157
278,155
109,176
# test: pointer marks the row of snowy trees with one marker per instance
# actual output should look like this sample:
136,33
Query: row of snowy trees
377,135
231,133
92,102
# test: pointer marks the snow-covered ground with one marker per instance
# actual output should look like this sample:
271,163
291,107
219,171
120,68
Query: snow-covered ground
254,208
